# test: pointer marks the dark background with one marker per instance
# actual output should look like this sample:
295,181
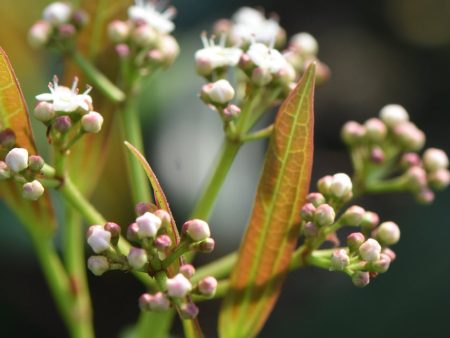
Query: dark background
379,52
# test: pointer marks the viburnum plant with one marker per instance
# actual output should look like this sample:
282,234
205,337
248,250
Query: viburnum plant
248,68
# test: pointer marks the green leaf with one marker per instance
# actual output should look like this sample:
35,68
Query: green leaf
273,228
14,115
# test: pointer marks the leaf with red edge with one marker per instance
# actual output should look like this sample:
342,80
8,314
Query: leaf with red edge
273,229
14,115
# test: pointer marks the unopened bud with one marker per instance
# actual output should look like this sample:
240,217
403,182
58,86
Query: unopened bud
7,138
324,184
315,198
425,196
205,246
80,18
148,224
44,111
377,155
66,31
122,50
207,286
178,286
137,258
17,159
370,250
354,241
310,230
63,124
305,44
163,242
118,31
382,265
144,36
197,230
39,34
143,207
339,259
439,179
435,159
417,178
341,185
370,220
159,302
188,311
35,162
92,122
57,13
375,130
354,215
388,233
352,132
98,265
115,231
390,253
164,216
393,114
220,92
169,48
361,278
187,270
324,215
98,238
409,136
231,112
261,76
133,232
410,160
308,212
5,173
144,301
33,190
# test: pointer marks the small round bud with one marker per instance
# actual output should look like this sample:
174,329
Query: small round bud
388,233
5,173
163,242
375,129
148,224
122,50
261,76
417,178
231,112
435,159
115,231
207,286
159,302
361,278
382,265
57,13
92,122
409,160
354,241
98,238
44,111
370,250
118,31
33,190
305,44
164,216
35,162
390,253
341,185
409,136
206,246
324,184
169,48
310,230
66,31
354,215
144,36
133,232
393,114
80,18
339,260
377,155
137,258
7,138
188,311
352,132
324,215
144,301
425,196
98,265
315,198
17,159
63,124
143,207
178,286
187,270
220,92
39,34
370,220
439,179
308,212
197,230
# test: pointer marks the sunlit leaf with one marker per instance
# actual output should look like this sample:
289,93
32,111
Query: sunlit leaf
273,229
14,115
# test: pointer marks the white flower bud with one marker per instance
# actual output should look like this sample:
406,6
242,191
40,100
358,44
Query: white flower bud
375,129
44,111
324,215
188,311
207,286
354,241
382,265
393,114
159,302
98,265
361,278
352,132
409,136
370,220
17,159
137,258
221,92
170,49
435,159
148,224
307,212
324,184
187,270
39,34
388,233
92,122
57,13
197,230
118,31
341,185
305,43
354,215
339,260
32,190
439,179
98,238
144,36
178,286
370,250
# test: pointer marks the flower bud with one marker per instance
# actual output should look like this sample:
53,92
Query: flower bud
305,44
80,18
35,162
390,253
308,212
382,265
375,130
188,311
144,301
7,138
220,92
207,286
57,13
409,160
315,198
435,159
370,220
361,278
393,114
164,216
163,242
148,224
44,111
144,36
66,31
324,184
377,155
339,260
115,231
169,48
98,238
137,258
341,185
205,246
143,207
261,76
439,179
178,286
118,31
17,159
231,112
409,136
354,241
63,124
310,230
370,250
92,122
388,233
133,232
425,196
197,230
39,34
122,50
352,132
98,265
32,190
5,173
159,302
187,270
324,215
417,178
354,215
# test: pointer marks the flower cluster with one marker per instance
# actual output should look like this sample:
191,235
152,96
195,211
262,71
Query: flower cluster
385,155
58,27
367,252
144,40
155,251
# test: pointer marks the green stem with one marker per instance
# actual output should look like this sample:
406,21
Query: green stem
397,184
260,134
219,268
99,80
182,248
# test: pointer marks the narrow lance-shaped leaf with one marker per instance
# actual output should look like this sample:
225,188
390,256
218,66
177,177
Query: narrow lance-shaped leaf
273,228
14,115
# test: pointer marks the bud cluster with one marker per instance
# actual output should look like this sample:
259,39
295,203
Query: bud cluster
144,40
58,27
389,145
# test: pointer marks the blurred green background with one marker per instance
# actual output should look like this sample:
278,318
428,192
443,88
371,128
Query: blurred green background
379,52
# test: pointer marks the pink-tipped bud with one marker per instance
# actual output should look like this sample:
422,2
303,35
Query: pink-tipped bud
354,215
393,114
80,18
305,44
361,279
118,31
439,179
98,265
66,31
33,190
164,216
133,232
169,48
197,230
370,250
115,231
409,160
148,224
5,173
377,155
122,50
207,286
137,258
354,241
220,92
341,185
261,76
57,13
382,265
92,122
390,253
388,233
375,130
188,311
425,196
143,207
315,198
39,34
178,286
35,162
62,124
352,132
310,230
144,301
44,111
17,159
324,184
159,302
435,159
203,66
163,242
205,246
409,136
231,112
98,238
370,220
187,270
417,178
339,259
324,215
144,36
7,138
308,212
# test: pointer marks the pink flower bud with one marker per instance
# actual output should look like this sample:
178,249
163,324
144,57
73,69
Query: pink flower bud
341,185
390,253
205,246
159,302
57,13
133,232
370,250
375,130
425,196
92,122
163,242
32,190
164,216
388,233
435,159
409,136
410,160
115,231
339,260
324,215
439,179
324,184
98,265
187,270
144,301
197,230
370,220
261,76
39,34
144,36
5,173
122,50
66,31
35,162
80,18
188,311
98,238
354,241
7,138
44,111
354,215
148,224
17,159
315,198
308,212
207,286
203,66
393,114
221,92
137,258
352,132
382,265
310,230
377,155
62,124
417,178
169,48
118,31
361,278
143,207
231,112
178,286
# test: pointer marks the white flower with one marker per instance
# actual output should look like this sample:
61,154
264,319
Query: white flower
146,11
66,99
